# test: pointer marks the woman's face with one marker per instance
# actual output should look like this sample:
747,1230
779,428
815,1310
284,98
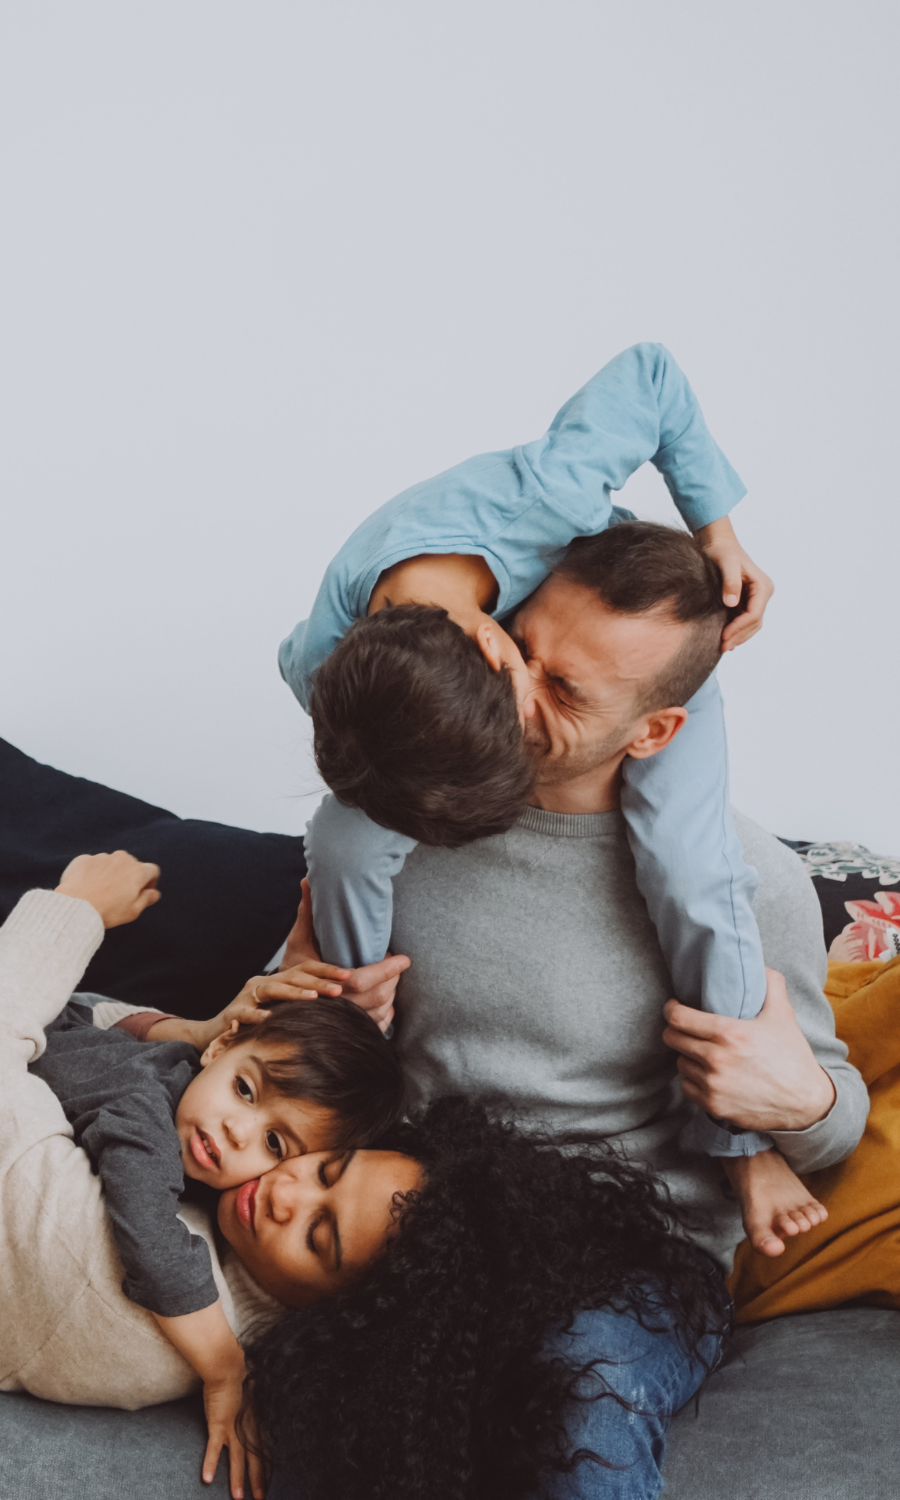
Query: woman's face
308,1227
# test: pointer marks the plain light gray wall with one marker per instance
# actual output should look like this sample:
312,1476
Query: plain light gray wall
265,264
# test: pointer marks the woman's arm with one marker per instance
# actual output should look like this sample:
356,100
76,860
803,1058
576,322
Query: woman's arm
53,1225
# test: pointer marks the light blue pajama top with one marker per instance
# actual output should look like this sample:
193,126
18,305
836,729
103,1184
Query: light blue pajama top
519,509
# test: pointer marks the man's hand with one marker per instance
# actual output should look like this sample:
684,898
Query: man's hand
740,578
117,885
760,1074
372,988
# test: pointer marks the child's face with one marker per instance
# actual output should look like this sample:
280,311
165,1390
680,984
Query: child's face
233,1127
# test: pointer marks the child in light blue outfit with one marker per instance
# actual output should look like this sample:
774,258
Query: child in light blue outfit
519,510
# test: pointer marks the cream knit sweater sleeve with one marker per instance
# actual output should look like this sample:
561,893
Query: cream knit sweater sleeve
67,1331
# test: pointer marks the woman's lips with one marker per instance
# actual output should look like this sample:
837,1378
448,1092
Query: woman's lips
245,1203
204,1150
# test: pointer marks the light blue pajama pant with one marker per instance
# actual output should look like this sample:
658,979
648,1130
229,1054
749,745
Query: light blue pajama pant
690,870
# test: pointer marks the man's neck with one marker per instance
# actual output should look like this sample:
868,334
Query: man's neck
597,791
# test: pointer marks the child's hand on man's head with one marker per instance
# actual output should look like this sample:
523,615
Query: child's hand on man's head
742,580
118,886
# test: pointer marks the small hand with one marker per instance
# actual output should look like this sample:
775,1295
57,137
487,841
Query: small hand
118,886
371,987
760,1074
740,578
221,1403
306,981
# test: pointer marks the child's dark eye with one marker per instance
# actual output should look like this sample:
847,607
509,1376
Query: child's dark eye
243,1089
275,1144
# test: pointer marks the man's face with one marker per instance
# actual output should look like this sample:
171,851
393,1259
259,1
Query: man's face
233,1125
588,666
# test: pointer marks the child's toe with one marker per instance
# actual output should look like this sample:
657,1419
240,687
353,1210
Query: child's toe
769,1244
786,1224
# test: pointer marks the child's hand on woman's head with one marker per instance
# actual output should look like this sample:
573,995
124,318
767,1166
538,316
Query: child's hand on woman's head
741,579
118,886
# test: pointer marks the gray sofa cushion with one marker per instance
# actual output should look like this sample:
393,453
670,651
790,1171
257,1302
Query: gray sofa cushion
803,1408
51,1452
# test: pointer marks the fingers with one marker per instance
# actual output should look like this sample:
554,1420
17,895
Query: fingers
732,579
313,966
302,986
745,625
776,991
301,943
305,930
383,1016
256,1473
236,1461
148,897
700,1023
257,1466
372,975
214,1446
687,1046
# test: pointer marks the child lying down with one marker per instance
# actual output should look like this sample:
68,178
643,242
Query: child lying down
155,1100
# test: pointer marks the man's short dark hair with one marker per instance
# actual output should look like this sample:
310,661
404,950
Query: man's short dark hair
412,724
639,567
330,1053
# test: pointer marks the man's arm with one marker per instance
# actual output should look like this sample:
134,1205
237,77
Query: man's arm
785,1072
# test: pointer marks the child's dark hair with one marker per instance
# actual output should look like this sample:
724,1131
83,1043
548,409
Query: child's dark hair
430,1378
332,1054
413,725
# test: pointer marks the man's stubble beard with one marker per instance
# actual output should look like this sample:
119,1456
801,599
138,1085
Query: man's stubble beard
555,770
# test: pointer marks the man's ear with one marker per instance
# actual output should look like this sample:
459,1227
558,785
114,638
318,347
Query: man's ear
656,732
217,1045
489,643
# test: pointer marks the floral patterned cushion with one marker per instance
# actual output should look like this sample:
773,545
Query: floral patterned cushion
852,881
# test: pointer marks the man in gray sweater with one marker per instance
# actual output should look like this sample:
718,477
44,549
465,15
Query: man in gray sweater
537,975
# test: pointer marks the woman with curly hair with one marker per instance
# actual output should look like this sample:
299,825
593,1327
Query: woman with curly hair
533,1324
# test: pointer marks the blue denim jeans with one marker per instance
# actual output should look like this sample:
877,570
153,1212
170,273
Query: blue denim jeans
649,1369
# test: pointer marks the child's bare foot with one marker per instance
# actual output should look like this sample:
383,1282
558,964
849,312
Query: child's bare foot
774,1203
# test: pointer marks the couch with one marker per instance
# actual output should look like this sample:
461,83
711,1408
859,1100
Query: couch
802,1408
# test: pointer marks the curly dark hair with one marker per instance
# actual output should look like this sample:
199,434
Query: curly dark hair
429,1379
412,724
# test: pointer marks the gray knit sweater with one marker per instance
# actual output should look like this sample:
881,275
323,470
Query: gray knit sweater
536,973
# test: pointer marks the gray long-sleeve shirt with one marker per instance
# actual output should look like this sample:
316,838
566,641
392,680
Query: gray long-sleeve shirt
537,974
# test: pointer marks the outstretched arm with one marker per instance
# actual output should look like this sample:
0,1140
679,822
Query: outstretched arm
208,1344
